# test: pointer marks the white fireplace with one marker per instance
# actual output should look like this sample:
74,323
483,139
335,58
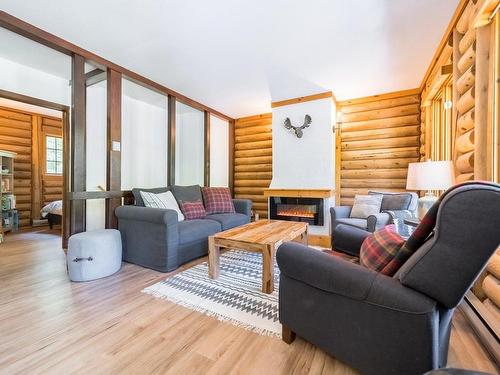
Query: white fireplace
304,167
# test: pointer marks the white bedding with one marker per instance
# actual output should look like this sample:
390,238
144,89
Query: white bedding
52,208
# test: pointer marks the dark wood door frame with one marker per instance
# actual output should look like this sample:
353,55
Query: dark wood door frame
66,151
206,130
171,140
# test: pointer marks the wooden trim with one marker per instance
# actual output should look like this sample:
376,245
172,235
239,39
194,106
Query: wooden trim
207,148
231,155
36,173
78,142
374,98
33,101
113,160
171,140
306,193
444,41
302,99
338,161
36,34
85,195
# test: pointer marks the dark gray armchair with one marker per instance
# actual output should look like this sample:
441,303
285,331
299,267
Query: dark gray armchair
392,325
390,201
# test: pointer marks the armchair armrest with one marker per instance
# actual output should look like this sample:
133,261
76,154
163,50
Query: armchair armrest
243,206
149,214
340,212
337,276
377,221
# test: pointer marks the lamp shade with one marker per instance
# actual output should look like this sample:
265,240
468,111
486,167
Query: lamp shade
430,175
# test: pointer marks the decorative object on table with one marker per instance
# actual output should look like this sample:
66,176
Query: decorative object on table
298,130
429,175
8,214
94,254
235,297
399,218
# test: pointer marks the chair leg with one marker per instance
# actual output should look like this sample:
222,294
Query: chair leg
287,334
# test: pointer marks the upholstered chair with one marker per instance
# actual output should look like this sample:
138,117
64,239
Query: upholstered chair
392,325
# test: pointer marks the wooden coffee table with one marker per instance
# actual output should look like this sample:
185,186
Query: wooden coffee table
263,236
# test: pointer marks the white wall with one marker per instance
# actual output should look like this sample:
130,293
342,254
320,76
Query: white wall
27,81
96,131
307,162
219,152
144,146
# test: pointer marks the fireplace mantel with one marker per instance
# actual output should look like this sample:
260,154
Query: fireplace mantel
300,193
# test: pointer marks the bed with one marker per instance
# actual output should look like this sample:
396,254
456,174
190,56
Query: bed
53,213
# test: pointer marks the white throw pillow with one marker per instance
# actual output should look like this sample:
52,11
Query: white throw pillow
162,200
366,205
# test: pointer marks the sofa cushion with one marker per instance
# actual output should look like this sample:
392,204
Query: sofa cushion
394,201
358,223
137,193
187,193
217,200
163,200
379,250
197,230
366,205
229,221
193,210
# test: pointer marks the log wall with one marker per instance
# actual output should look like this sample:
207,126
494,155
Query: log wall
253,155
379,137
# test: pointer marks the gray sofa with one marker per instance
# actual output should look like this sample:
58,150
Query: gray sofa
392,325
153,237
390,201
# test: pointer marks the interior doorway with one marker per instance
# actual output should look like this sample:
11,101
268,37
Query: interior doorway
35,133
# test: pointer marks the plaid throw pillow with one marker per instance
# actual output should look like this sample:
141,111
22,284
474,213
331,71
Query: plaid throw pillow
193,210
378,251
217,200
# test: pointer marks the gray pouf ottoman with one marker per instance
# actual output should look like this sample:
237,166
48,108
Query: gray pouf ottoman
94,254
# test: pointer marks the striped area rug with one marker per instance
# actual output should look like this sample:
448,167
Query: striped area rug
234,297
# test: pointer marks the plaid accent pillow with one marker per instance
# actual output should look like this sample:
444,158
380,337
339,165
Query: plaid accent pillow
218,200
378,251
193,210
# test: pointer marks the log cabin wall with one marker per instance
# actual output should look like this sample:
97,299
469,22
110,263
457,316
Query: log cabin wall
253,155
379,136
24,133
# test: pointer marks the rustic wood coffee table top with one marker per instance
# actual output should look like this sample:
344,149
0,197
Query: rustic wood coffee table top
263,236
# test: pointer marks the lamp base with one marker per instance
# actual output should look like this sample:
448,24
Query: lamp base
425,203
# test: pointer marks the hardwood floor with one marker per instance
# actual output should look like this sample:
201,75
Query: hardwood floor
107,326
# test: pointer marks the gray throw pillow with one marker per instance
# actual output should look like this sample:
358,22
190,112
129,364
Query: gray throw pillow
187,193
394,201
366,205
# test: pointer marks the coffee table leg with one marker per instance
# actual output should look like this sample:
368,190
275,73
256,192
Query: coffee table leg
213,258
305,237
268,269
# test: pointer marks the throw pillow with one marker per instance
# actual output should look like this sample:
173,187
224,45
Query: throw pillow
217,200
379,250
162,200
366,205
193,210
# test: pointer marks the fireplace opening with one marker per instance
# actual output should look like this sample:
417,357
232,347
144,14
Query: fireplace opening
309,210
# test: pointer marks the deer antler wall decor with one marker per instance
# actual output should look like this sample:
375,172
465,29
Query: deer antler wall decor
298,129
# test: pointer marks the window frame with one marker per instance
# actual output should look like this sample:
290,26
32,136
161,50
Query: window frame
45,159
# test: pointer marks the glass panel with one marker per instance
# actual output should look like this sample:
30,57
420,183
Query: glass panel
51,167
51,155
96,131
32,69
189,146
51,142
144,137
219,152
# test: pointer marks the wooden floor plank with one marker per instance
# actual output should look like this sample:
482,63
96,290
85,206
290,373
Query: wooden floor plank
51,326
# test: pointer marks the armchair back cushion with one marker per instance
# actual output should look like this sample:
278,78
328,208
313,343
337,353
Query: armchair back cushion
397,201
465,236
366,205
137,194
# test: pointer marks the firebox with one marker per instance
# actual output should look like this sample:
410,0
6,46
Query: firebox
309,210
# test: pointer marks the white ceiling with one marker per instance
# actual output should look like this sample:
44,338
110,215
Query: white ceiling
238,55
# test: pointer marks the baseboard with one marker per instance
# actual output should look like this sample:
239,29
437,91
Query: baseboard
319,240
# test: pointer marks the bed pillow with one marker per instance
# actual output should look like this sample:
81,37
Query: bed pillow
217,200
366,205
193,210
162,200
378,251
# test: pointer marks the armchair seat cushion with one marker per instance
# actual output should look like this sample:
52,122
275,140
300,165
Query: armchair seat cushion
353,222
228,221
197,230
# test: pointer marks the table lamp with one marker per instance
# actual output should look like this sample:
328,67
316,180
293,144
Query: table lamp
429,175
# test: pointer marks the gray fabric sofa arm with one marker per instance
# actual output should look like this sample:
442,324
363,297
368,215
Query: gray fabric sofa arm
337,276
377,221
149,214
243,206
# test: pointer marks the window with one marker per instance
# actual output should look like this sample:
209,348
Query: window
54,155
